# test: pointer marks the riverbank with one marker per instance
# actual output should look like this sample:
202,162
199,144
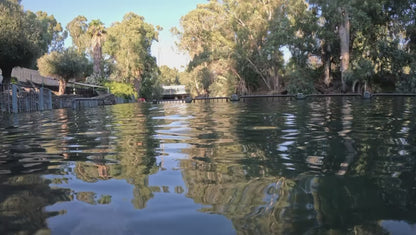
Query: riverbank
18,99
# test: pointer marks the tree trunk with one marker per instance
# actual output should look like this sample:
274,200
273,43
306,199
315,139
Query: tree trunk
328,78
326,57
7,76
62,86
344,35
197,87
276,80
137,84
97,56
266,82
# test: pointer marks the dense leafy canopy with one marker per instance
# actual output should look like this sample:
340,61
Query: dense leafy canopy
128,44
64,65
337,45
236,46
89,38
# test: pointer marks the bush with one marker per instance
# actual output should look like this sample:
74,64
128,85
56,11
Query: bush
96,79
407,81
300,82
407,84
14,80
121,89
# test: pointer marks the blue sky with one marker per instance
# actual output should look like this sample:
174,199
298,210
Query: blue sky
165,13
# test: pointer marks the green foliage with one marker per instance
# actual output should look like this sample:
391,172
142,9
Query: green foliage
77,30
89,38
96,79
128,44
346,40
96,32
362,70
14,80
24,36
151,89
104,200
239,41
222,86
52,32
234,45
189,80
168,76
301,81
407,82
64,65
120,89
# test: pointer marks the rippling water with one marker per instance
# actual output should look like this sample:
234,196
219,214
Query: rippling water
315,166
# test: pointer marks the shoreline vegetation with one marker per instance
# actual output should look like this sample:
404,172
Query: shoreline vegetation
31,101
235,47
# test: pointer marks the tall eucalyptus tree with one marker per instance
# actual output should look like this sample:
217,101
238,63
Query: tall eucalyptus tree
128,43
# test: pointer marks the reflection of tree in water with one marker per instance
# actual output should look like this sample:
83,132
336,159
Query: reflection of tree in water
134,157
287,184
23,161
92,199
94,171
22,201
137,150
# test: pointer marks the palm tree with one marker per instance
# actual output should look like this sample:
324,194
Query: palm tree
96,31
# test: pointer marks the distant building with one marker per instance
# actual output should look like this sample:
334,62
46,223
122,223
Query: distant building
174,92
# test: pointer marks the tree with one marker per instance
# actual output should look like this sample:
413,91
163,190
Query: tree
168,76
257,51
128,44
367,41
52,32
24,36
209,39
78,31
63,66
236,45
334,44
96,32
89,38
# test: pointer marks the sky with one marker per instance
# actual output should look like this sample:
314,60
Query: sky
165,13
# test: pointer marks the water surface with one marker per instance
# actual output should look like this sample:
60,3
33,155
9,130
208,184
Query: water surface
315,166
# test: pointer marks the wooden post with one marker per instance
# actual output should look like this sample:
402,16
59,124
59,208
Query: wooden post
49,99
41,103
27,103
14,99
74,104
1,101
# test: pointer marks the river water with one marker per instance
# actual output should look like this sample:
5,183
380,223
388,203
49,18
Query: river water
316,166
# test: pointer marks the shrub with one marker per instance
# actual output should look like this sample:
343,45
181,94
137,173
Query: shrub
300,82
121,89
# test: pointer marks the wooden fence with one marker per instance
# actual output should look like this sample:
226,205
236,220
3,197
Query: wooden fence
17,99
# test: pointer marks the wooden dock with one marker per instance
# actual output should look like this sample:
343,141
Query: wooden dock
245,98
194,100
211,99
